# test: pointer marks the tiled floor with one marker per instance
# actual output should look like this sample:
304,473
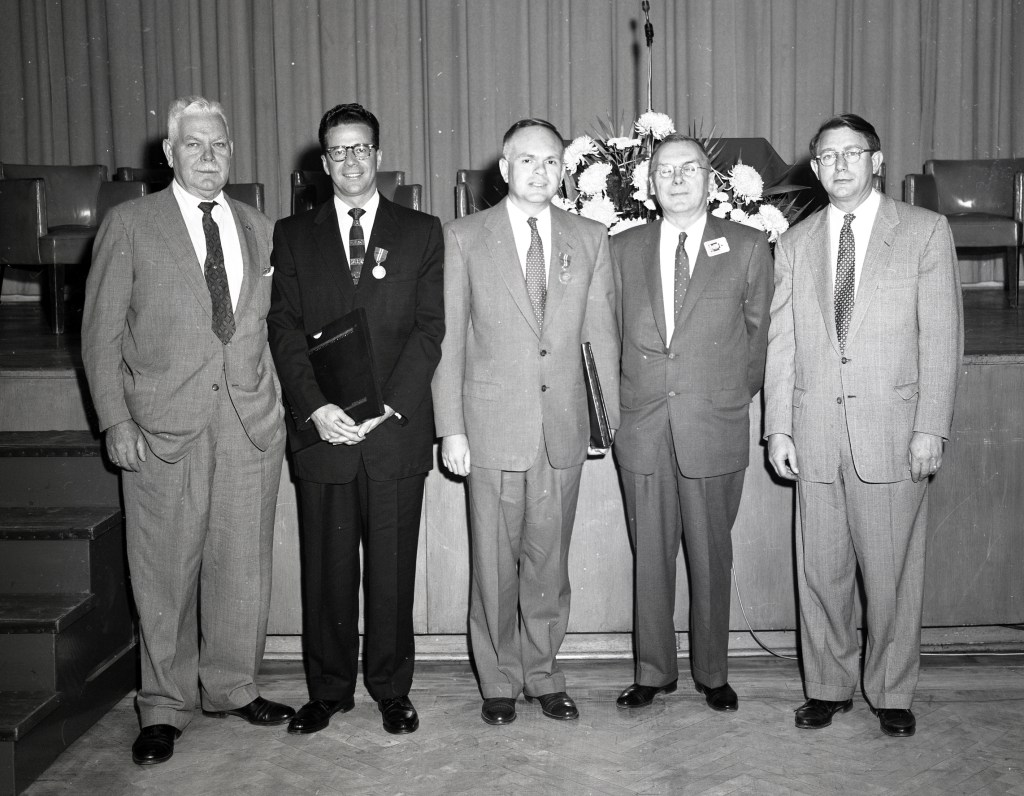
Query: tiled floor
970,740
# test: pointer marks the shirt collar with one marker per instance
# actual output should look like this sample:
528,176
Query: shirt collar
866,209
189,203
518,216
342,207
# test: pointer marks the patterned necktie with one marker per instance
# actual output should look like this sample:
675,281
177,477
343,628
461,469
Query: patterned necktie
223,324
682,274
844,281
356,244
535,281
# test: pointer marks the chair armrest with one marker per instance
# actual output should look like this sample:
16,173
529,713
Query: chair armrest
22,220
250,193
114,193
920,190
1018,197
303,197
409,195
462,207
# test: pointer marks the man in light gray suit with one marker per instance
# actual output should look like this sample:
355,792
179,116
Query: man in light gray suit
865,344
694,293
525,285
174,341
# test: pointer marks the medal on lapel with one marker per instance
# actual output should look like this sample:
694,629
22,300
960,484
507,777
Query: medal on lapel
379,256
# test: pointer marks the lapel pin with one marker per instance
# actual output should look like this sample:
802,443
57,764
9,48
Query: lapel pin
379,256
716,247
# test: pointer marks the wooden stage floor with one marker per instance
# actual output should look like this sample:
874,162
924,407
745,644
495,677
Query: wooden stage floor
991,328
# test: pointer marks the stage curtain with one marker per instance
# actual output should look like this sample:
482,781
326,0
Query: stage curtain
89,81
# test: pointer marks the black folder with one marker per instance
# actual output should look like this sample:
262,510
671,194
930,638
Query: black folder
342,357
600,433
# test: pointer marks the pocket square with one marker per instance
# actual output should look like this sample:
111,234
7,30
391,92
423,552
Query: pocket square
269,271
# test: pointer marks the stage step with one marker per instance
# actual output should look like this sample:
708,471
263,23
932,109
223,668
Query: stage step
55,468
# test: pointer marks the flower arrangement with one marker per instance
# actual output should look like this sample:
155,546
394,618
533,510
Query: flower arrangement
606,180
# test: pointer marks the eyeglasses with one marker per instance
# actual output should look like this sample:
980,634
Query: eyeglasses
339,153
848,156
667,172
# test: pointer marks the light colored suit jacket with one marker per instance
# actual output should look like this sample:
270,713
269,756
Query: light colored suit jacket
149,352
503,381
903,349
695,388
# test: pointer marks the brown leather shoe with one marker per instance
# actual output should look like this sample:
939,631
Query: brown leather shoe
498,710
720,698
556,706
316,714
261,712
155,744
640,696
399,715
897,722
817,713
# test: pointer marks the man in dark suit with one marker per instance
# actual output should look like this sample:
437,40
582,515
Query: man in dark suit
361,482
174,343
525,285
694,294
865,347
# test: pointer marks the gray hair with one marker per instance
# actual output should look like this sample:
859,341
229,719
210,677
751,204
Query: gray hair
194,104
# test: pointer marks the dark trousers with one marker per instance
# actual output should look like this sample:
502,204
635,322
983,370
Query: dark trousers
383,517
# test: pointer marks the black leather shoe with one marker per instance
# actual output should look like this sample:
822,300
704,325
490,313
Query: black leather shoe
557,706
817,713
640,696
316,714
897,722
155,744
399,715
498,710
720,698
261,712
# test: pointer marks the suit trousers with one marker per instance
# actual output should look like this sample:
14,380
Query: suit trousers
521,526
662,509
200,536
881,528
384,518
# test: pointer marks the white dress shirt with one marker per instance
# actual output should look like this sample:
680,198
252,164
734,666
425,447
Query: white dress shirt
229,242
521,231
667,258
864,220
365,221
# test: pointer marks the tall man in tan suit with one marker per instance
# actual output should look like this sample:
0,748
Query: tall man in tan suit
864,349
694,293
525,285
174,342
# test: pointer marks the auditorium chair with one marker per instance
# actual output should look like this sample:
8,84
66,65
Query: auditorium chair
984,203
478,189
49,216
156,179
310,188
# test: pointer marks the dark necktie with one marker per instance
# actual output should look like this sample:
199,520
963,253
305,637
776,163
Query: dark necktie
535,281
223,324
356,244
845,284
682,275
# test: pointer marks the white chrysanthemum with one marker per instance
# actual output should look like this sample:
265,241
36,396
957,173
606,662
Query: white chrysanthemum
722,211
626,223
640,175
594,179
737,215
624,142
657,124
573,156
600,208
718,196
774,221
649,204
746,182
563,203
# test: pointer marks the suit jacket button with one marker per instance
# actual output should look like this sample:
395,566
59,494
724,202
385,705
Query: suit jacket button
543,388
844,360
671,356
671,393
543,352
839,400
216,387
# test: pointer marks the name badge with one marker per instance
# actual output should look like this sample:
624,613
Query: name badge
716,247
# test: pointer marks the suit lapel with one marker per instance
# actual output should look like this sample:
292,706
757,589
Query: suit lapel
883,233
171,225
650,258
383,237
502,245
332,251
703,269
563,245
821,266
250,262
